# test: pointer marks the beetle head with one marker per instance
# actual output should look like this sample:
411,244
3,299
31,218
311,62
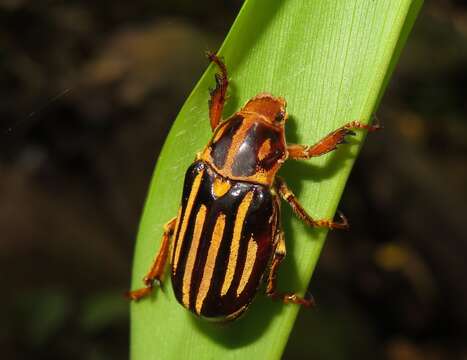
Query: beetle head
271,107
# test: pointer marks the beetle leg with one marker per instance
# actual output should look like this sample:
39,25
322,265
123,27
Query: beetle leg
218,95
328,143
271,289
157,268
298,209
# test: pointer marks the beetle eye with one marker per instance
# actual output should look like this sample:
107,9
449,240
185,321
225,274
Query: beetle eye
279,116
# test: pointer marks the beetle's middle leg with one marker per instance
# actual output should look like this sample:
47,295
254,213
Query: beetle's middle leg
329,142
271,289
157,268
287,194
218,94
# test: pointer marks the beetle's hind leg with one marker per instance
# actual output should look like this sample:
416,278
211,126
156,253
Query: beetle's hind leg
218,94
287,194
271,289
157,268
329,142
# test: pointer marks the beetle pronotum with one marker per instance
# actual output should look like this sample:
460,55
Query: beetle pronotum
227,234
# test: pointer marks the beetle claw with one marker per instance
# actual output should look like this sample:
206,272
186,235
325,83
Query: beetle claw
377,125
210,55
343,140
150,283
309,299
343,224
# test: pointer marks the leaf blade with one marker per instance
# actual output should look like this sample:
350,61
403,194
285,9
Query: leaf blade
331,60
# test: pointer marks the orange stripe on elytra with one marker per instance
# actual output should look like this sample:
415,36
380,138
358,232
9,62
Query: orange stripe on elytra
217,235
190,262
249,264
186,217
235,245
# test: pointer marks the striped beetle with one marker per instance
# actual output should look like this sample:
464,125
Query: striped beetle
227,234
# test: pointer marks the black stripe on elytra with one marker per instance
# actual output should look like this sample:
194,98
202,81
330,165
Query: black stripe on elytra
221,147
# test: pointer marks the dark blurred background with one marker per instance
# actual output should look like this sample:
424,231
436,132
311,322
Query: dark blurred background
88,91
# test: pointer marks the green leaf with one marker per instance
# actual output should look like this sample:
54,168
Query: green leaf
331,60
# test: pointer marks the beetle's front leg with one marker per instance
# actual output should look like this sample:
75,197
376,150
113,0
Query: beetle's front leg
271,289
328,143
157,268
282,188
218,95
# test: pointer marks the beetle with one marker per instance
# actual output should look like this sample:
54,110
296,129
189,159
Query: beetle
227,235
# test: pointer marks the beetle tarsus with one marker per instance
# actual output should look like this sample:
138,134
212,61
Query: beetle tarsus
271,289
354,125
329,142
343,224
298,209
136,295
